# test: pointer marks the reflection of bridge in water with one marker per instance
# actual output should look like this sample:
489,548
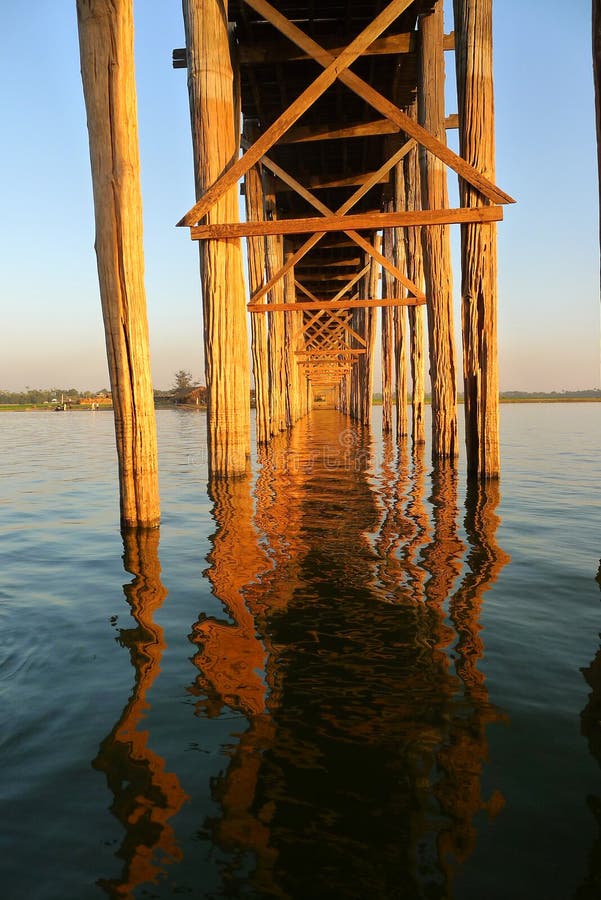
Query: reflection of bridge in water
360,767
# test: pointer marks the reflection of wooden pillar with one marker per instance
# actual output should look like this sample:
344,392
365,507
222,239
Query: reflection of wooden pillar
146,794
473,42
106,43
436,240
256,275
415,271
215,122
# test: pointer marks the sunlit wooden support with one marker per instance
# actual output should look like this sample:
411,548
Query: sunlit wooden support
415,267
274,258
281,51
365,303
436,241
354,351
371,282
256,274
360,221
333,70
351,263
387,316
106,44
478,244
308,133
215,140
401,258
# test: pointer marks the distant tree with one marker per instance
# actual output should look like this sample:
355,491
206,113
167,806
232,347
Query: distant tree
183,380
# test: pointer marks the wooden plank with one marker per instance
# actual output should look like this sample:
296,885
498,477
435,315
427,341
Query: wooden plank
307,133
271,135
361,221
352,351
349,263
280,51
383,105
346,304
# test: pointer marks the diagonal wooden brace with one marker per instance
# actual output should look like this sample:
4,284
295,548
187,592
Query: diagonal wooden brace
271,135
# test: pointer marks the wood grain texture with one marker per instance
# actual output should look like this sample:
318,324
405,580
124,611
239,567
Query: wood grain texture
214,119
256,278
436,241
106,37
416,316
360,221
387,332
478,243
402,261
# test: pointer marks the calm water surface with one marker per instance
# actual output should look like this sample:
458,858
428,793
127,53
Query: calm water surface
346,676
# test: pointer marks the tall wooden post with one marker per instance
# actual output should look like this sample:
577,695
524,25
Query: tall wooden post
597,81
277,363
415,271
256,275
387,322
436,240
367,386
215,120
400,320
106,43
473,54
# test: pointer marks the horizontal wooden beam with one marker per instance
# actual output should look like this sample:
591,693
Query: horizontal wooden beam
307,133
352,351
358,222
347,263
344,304
281,51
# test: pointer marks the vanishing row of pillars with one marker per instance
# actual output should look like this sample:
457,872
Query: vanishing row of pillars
106,45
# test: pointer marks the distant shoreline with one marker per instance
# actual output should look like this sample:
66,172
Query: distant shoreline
24,407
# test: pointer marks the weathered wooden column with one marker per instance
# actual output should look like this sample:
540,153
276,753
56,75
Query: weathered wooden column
290,346
367,386
387,322
276,344
106,44
215,120
400,260
436,240
258,322
597,81
415,271
473,54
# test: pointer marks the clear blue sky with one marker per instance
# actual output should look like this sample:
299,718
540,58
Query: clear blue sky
51,325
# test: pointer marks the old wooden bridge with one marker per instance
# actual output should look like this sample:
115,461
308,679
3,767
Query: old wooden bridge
332,118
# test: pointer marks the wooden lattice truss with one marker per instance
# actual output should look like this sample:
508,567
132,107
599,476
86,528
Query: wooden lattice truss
331,345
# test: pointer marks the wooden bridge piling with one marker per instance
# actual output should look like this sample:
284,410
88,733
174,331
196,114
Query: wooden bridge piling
215,120
368,161
107,71
436,241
